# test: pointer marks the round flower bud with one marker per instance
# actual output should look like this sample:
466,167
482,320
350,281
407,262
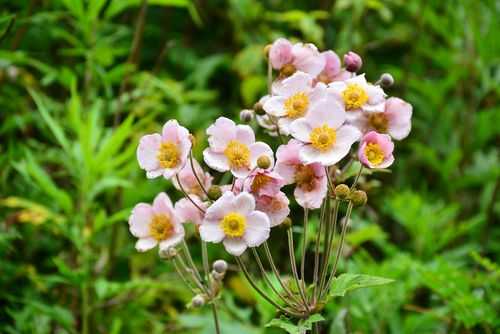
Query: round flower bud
352,62
217,276
168,253
246,115
342,191
358,198
258,108
287,223
386,80
214,192
220,266
264,162
287,70
198,301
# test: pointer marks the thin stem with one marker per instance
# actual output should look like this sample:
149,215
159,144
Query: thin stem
269,77
187,253
329,244
262,293
187,195
304,246
316,249
183,277
216,318
194,172
194,274
291,250
357,177
204,256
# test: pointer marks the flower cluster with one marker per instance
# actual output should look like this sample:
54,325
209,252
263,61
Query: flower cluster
325,115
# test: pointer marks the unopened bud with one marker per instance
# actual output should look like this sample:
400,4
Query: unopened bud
287,70
287,223
198,301
214,192
359,198
217,276
246,115
220,266
386,80
264,162
168,253
352,62
342,191
258,108
267,48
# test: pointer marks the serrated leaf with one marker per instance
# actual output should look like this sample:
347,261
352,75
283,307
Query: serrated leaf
301,327
349,282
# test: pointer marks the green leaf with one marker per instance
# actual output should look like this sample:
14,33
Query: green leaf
301,327
349,282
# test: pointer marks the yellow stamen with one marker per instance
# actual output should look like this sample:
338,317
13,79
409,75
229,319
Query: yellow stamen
168,155
305,177
234,225
323,137
379,122
296,105
161,227
374,153
259,181
354,96
238,154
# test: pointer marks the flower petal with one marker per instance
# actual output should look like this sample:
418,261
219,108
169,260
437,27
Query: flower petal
145,244
217,161
245,134
301,129
147,152
140,219
244,203
235,246
258,228
211,232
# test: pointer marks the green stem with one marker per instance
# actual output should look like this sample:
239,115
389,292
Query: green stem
194,172
304,246
216,318
293,263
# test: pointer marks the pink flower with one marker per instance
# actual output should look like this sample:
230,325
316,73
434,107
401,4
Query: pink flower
357,95
187,212
263,182
293,99
375,150
275,207
233,220
395,120
332,70
155,224
327,139
188,179
233,148
297,57
311,181
164,154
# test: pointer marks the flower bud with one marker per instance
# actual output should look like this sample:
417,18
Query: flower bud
386,80
287,70
220,266
264,162
197,301
267,48
352,62
246,115
168,253
258,108
217,276
214,192
358,198
342,191
287,223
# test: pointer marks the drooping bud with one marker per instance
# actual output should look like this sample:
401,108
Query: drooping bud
214,192
168,253
197,301
264,162
352,62
246,115
359,198
386,80
342,191
287,223
220,266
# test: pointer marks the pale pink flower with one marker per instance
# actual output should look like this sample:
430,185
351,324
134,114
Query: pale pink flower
189,182
187,212
233,220
275,207
395,120
311,181
263,182
293,98
299,57
233,148
164,154
375,150
327,139
332,70
357,95
267,121
156,224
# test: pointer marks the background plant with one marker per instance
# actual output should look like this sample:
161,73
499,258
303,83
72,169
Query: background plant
69,177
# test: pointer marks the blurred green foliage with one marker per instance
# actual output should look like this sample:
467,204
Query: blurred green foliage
81,81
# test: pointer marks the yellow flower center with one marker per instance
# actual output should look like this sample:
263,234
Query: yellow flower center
374,153
305,177
259,181
354,96
296,105
379,122
161,227
323,137
234,225
238,154
168,155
